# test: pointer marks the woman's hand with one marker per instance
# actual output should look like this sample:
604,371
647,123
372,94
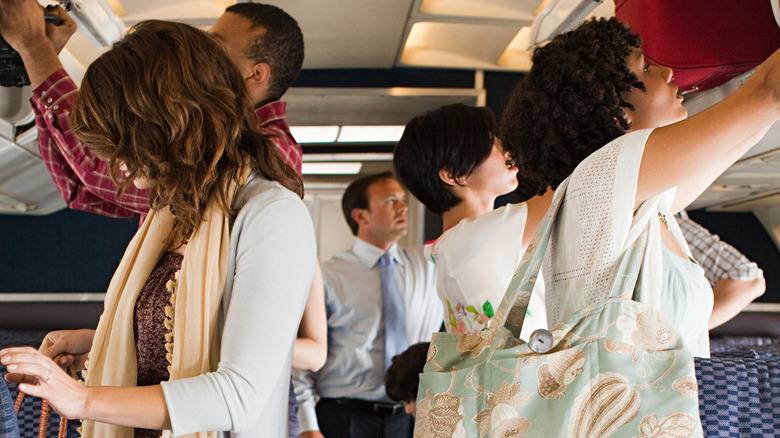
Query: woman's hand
73,345
39,376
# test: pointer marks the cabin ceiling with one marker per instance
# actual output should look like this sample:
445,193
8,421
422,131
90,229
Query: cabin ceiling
475,35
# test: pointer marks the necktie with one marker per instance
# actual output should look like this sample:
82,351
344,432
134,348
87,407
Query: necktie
393,310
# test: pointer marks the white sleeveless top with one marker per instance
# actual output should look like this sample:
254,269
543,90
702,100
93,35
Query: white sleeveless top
475,261
596,223
687,299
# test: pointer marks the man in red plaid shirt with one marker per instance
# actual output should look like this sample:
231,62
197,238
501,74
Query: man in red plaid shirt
265,43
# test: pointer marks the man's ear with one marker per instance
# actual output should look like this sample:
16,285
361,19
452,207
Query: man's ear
261,74
358,215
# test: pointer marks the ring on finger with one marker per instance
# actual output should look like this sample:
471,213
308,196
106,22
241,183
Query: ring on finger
48,376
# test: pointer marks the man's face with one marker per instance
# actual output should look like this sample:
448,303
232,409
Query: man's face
235,31
385,217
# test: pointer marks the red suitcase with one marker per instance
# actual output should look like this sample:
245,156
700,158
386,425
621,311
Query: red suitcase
706,43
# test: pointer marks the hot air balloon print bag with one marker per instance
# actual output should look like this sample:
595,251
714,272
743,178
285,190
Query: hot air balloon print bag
617,368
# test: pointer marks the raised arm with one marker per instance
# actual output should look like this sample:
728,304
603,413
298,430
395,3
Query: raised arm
81,178
691,153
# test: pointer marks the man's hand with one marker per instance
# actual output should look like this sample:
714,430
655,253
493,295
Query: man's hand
311,434
21,24
61,33
23,27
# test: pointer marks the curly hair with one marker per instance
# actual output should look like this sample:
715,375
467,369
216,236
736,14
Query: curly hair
457,137
572,102
280,46
168,102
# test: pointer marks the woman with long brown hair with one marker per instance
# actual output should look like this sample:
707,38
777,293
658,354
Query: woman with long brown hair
201,315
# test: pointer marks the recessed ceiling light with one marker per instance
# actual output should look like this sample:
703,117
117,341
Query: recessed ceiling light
369,134
345,168
315,134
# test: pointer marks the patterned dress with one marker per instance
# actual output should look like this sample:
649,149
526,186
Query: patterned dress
152,332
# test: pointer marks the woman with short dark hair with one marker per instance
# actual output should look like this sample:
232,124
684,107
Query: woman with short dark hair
453,162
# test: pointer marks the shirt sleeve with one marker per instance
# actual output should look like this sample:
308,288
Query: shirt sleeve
306,394
81,178
274,267
717,258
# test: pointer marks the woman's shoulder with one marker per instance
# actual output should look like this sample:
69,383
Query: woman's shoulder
260,190
260,196
620,157
504,224
492,222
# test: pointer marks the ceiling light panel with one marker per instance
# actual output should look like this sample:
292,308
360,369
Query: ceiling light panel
457,45
315,134
517,55
347,168
370,134
499,9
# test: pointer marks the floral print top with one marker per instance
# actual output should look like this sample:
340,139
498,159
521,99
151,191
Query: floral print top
475,261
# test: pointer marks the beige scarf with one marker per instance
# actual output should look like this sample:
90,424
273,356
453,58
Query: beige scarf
201,282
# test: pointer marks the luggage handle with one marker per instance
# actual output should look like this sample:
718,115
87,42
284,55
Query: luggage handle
43,425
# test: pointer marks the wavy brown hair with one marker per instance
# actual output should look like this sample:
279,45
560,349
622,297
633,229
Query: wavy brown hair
167,101
572,101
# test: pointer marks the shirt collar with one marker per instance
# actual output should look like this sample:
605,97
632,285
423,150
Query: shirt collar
369,254
272,111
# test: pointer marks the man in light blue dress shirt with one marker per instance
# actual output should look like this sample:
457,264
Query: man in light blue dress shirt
353,402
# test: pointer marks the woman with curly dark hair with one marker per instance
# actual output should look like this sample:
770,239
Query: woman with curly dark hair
201,315
451,160
592,110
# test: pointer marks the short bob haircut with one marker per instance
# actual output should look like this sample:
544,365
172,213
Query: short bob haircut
572,102
457,138
356,196
403,376
168,102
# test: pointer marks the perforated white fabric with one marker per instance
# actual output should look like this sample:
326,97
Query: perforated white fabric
593,227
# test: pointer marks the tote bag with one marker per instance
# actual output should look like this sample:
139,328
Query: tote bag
618,368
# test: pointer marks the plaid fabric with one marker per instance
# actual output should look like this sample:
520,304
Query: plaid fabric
272,122
84,181
739,397
745,348
739,387
718,259
8,425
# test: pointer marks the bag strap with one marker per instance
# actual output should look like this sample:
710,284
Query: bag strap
523,285
524,301
43,425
